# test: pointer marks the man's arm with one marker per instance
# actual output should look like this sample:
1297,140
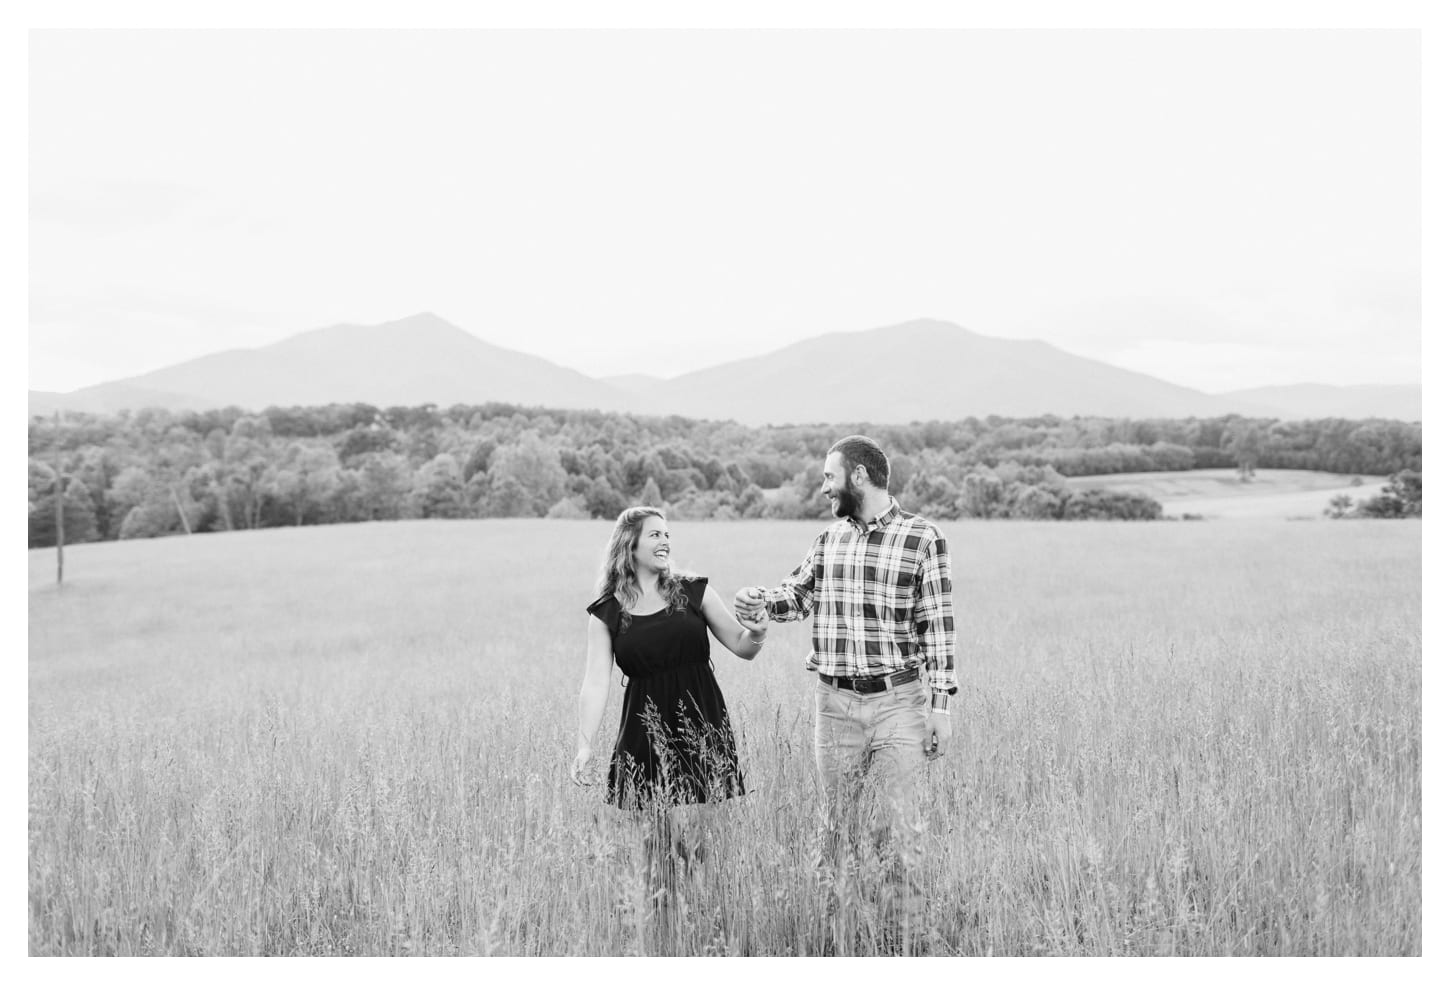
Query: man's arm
795,597
935,622
936,632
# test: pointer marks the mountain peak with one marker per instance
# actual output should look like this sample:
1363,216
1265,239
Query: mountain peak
423,319
425,322
922,329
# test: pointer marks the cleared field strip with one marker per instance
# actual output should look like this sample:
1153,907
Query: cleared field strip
1220,493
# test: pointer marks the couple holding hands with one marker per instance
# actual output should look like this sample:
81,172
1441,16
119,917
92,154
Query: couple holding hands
877,585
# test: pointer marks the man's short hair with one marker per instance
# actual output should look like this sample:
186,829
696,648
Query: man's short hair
857,449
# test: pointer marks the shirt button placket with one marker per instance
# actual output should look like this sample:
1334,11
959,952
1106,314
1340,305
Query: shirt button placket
858,633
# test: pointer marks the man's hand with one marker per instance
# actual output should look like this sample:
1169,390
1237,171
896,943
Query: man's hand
938,734
750,607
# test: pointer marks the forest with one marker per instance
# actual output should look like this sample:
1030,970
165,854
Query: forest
154,473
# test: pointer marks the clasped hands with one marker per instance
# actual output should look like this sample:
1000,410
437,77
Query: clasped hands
750,610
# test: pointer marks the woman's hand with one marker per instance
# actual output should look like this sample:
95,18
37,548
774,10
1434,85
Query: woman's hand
756,623
577,772
753,633
741,633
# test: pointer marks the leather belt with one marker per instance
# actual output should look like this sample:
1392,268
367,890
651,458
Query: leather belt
871,685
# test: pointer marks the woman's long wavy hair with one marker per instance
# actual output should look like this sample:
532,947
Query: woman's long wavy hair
617,575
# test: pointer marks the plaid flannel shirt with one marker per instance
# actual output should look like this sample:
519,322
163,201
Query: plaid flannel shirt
882,599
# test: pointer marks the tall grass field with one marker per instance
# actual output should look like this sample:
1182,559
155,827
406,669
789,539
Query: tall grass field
1171,739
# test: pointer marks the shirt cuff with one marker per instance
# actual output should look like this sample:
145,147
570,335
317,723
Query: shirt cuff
777,601
941,682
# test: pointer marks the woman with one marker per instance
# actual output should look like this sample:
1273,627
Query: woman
675,745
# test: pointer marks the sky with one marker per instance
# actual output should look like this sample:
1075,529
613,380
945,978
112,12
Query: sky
1221,209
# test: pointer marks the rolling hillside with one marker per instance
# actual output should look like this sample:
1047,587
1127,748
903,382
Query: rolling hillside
915,371
417,360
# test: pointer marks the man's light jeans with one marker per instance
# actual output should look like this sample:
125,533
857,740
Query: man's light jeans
872,766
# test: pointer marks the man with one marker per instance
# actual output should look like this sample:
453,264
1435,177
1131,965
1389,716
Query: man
878,585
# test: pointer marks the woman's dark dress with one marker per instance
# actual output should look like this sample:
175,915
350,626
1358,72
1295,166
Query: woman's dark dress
675,744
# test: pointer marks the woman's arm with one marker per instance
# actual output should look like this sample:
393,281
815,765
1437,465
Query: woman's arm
743,640
592,693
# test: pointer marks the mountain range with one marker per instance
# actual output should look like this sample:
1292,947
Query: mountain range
916,371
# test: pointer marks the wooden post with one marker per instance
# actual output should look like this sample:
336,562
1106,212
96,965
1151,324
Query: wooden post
59,510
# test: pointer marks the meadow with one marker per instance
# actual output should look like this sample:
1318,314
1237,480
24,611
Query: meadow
1287,494
1171,739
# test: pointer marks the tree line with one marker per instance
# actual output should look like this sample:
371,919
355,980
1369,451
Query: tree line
154,472
1402,497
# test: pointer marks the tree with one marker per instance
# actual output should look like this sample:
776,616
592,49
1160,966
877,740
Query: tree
568,508
150,519
438,489
1340,507
801,498
247,457
750,502
208,489
1030,502
142,504
384,481
1108,504
1408,487
1245,442
308,476
507,497
534,466
478,458
98,467
178,454
677,482
133,487
696,505
1401,498
79,515
1169,457
367,439
603,500
983,494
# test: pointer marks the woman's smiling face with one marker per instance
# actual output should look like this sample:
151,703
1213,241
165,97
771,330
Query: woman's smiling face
652,552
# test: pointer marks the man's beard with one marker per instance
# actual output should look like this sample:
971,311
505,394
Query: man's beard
848,501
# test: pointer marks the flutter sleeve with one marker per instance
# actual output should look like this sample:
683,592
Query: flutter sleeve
694,586
606,610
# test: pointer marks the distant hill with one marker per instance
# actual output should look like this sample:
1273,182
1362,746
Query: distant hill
417,360
108,398
1315,400
916,371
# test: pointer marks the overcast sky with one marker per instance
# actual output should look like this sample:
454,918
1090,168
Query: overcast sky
1220,209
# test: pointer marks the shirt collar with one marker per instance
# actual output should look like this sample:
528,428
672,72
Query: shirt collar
880,519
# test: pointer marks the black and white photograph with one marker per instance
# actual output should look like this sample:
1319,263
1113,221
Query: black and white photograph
798,490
